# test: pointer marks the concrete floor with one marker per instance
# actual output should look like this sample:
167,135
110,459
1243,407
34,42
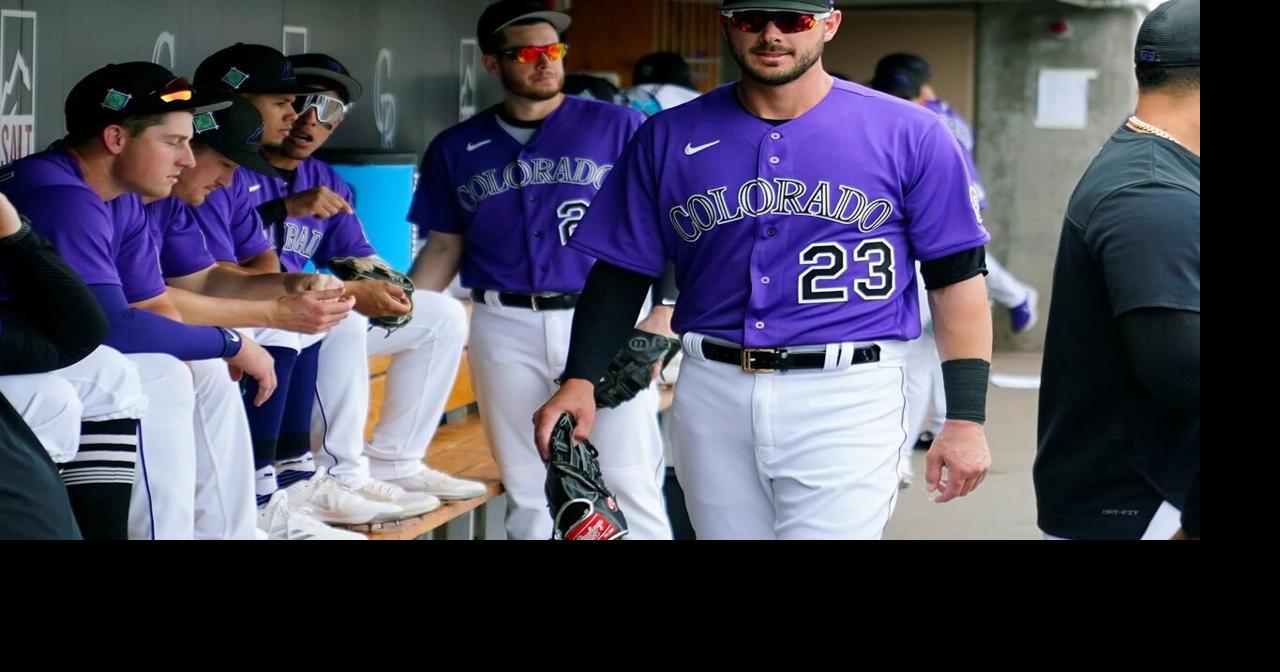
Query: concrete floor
1003,507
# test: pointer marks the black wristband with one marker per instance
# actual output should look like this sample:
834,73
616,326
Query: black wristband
965,384
18,236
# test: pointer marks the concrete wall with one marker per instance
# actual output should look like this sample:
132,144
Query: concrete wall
1030,172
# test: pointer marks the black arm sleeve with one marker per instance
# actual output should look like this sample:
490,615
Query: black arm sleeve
273,213
1164,349
664,290
54,320
605,315
954,268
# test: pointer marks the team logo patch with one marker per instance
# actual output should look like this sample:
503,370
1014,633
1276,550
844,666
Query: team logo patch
235,79
116,101
975,199
18,33
204,122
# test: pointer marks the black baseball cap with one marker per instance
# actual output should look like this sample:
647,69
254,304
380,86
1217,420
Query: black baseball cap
323,70
250,68
1170,35
115,92
662,67
236,133
503,13
805,6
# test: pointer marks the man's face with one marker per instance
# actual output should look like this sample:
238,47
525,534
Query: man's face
773,57
541,80
212,171
151,163
278,116
309,133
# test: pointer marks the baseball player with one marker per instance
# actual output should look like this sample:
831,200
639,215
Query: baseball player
50,322
308,217
907,76
425,353
263,77
501,193
202,291
1016,296
128,128
660,81
795,236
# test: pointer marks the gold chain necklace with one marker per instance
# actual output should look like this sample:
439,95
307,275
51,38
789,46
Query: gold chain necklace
1141,126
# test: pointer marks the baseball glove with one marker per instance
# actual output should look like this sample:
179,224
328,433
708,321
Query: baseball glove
582,508
631,370
373,268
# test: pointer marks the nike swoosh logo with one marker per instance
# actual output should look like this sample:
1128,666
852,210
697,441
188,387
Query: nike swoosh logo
254,187
473,146
690,150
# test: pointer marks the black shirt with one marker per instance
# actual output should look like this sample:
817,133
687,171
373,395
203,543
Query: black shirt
1109,451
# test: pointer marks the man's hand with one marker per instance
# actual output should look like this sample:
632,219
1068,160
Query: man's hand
10,222
379,298
960,448
258,363
576,397
311,312
320,202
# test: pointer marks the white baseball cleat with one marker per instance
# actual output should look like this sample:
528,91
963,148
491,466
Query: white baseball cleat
441,485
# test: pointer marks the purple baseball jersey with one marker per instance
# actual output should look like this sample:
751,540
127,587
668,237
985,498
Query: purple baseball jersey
229,220
178,238
305,239
963,134
516,205
802,233
107,244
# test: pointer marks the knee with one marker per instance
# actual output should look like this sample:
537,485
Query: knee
53,400
165,379
442,314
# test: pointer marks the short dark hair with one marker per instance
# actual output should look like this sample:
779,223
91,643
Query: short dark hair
904,61
494,43
134,126
1167,78
902,82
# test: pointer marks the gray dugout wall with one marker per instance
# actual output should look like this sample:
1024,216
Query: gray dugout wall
416,58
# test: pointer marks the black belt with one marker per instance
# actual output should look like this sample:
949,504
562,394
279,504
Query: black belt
768,360
536,303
